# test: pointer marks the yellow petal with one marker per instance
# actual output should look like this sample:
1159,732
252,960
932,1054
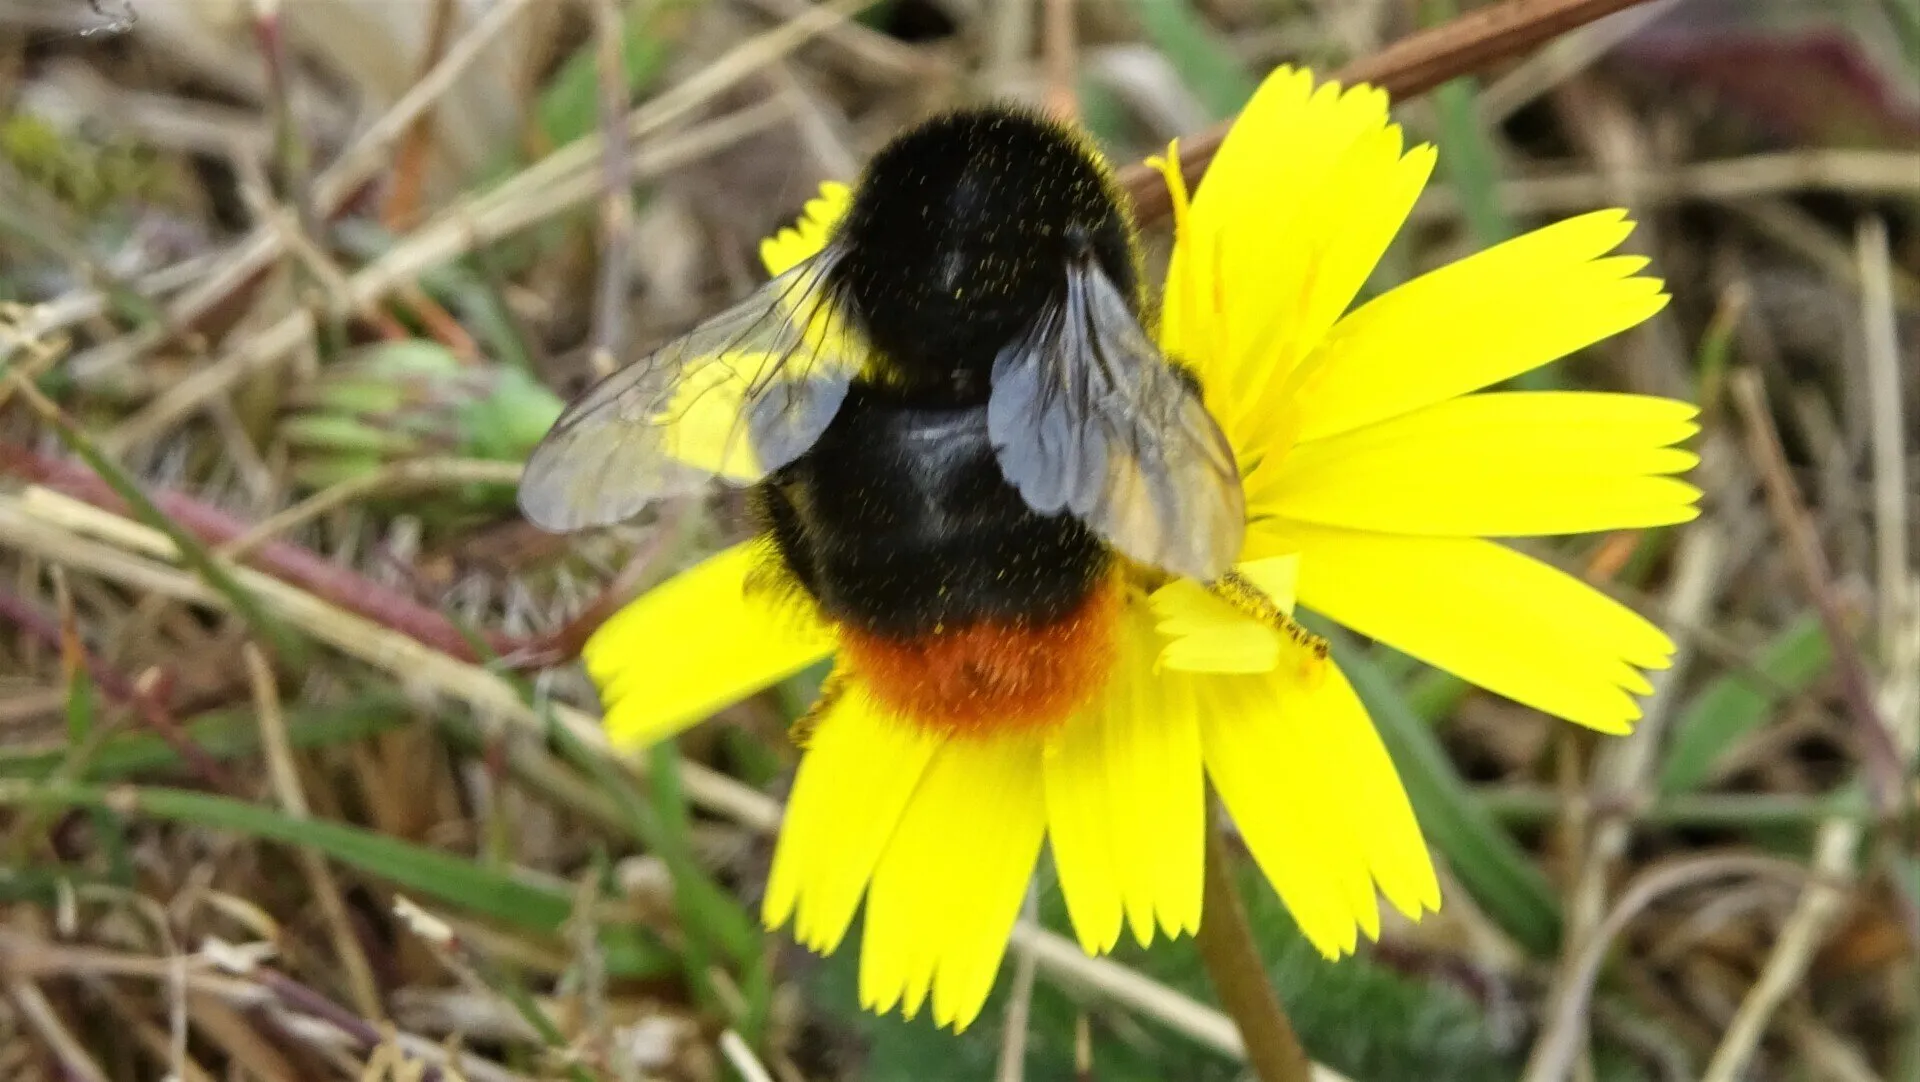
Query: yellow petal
1485,613
1475,322
949,886
859,771
804,238
1496,465
1126,805
696,643
1205,634
1318,803
1306,192
1085,854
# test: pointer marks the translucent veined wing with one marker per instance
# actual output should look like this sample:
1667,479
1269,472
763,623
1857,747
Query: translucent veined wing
1086,416
739,396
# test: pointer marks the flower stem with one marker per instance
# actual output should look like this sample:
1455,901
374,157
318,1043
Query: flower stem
1239,977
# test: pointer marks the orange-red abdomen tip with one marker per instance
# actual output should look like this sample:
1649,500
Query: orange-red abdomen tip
991,676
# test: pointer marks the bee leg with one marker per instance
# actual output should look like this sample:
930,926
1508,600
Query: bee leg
835,685
1247,598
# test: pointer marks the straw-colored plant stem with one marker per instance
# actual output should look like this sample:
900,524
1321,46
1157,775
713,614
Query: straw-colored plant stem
1239,977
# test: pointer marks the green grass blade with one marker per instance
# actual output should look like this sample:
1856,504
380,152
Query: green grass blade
83,747
1204,62
1470,160
714,921
80,719
429,873
570,105
193,555
1737,703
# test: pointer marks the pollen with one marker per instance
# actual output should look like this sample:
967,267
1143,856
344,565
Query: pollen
993,676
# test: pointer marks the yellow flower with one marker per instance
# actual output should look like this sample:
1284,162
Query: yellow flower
1373,472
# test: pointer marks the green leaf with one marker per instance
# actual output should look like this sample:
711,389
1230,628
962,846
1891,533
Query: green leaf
1481,853
1433,694
331,432
1737,703
428,873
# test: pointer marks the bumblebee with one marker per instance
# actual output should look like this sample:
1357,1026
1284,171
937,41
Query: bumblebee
958,429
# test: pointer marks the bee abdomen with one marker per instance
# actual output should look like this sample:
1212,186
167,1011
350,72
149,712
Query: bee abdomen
992,674
900,525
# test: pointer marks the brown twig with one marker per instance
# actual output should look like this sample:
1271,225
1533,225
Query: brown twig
1012,1064
537,194
1554,1052
439,322
1062,53
1878,750
334,187
616,201
335,584
305,1000
402,209
146,696
283,560
289,149
149,704
1822,902
1414,64
284,776
1622,768
564,643
40,1016
24,615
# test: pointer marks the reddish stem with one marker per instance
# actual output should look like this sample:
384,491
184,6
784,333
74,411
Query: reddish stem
284,560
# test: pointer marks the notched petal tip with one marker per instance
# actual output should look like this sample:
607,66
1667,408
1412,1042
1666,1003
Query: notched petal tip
796,243
1628,266
1612,726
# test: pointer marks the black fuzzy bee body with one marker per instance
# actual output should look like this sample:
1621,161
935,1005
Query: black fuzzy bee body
954,418
898,523
899,520
961,234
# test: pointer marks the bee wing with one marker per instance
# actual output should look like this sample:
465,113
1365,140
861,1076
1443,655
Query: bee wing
1086,416
739,396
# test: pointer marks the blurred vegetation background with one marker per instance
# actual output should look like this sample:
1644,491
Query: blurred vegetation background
299,781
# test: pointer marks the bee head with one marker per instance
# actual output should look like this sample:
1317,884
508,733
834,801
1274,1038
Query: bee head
961,235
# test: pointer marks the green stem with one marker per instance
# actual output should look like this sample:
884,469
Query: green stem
1239,977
